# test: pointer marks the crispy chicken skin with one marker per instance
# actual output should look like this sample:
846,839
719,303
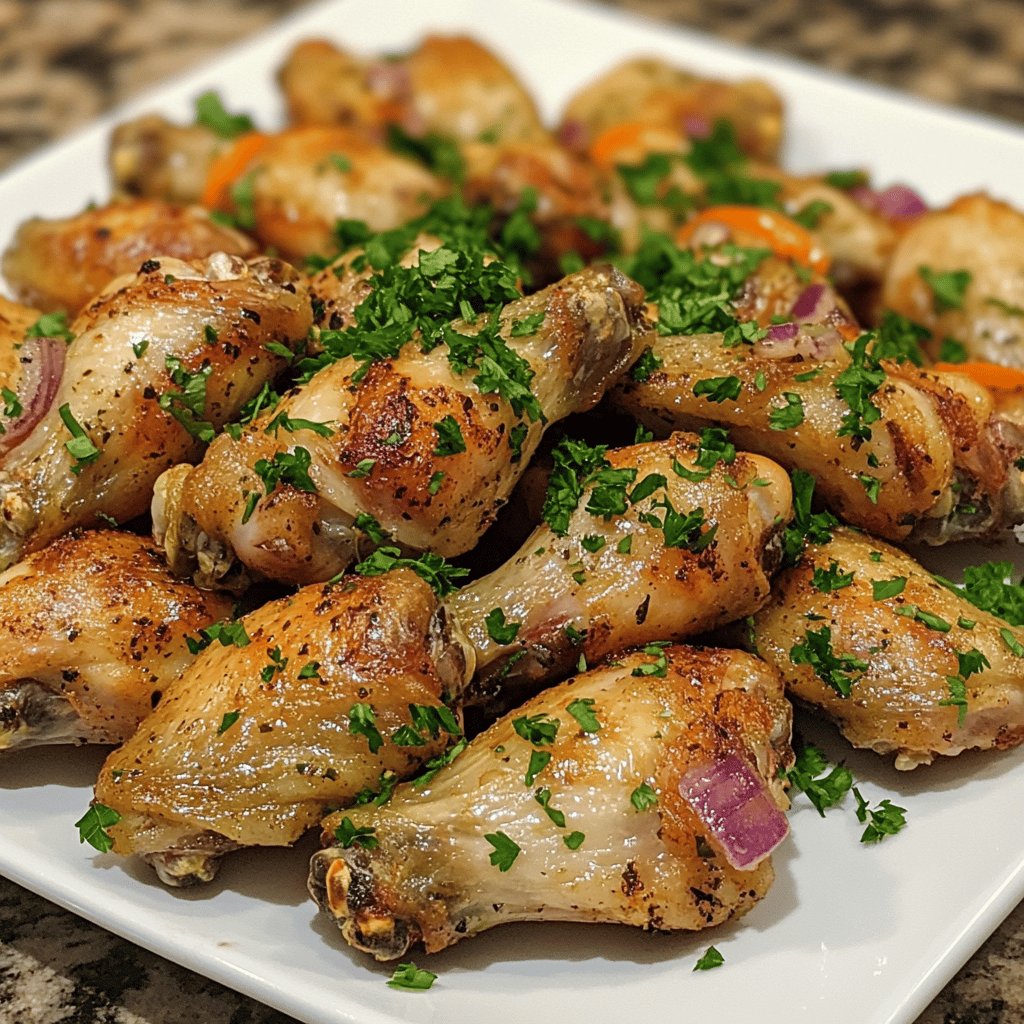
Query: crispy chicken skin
219,314
895,704
651,91
449,85
252,744
15,320
92,631
64,263
985,237
593,329
428,878
650,593
941,445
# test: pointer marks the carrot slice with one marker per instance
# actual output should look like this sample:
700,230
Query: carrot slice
780,233
606,148
989,375
227,168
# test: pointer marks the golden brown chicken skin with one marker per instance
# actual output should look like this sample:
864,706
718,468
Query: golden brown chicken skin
303,706
385,422
490,839
938,464
898,653
64,263
612,582
147,336
449,85
979,240
15,320
646,90
93,629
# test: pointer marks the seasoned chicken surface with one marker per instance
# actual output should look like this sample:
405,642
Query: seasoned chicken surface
64,263
604,583
93,629
379,451
647,90
306,702
927,673
938,463
178,343
15,320
597,829
979,240
449,86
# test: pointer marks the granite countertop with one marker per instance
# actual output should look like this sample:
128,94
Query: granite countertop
62,62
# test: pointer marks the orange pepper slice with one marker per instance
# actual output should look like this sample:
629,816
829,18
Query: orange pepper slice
228,167
780,233
989,375
605,149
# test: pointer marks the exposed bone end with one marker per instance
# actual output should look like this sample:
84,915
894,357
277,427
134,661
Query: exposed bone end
453,653
182,870
343,885
17,521
32,715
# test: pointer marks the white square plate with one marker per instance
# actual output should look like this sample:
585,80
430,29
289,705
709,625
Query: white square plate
849,934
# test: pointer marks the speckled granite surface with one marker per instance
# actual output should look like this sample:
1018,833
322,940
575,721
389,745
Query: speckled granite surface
62,62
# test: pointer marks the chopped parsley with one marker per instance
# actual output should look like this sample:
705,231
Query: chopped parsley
227,634
92,827
582,709
188,405
80,447
574,840
718,389
881,590
856,385
211,113
948,288
885,820
51,325
647,364
449,437
806,526
832,578
953,351
282,421
644,797
229,719
658,667
410,978
434,569
362,721
348,834
790,415
839,672
498,629
505,850
536,729
825,786
710,960
539,760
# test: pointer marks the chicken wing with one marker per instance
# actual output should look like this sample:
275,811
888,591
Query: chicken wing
866,636
448,86
64,263
296,708
936,465
960,273
93,628
649,91
605,582
583,803
377,446
159,361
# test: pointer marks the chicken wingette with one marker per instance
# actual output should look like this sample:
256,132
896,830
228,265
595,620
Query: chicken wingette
159,361
295,708
449,87
653,542
421,447
93,628
960,273
865,635
644,793
64,263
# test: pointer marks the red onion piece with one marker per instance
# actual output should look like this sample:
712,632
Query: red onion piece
42,367
807,302
898,202
696,126
573,135
783,332
733,802
389,79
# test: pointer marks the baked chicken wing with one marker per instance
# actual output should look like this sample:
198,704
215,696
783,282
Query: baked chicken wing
293,709
606,577
159,361
93,629
644,793
903,665
62,264
960,273
377,461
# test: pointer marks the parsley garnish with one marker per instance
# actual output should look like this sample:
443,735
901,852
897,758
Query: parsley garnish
81,448
881,590
539,760
188,406
363,722
282,421
363,468
498,629
953,351
449,437
505,850
436,152
51,325
645,366
210,113
885,820
430,567
718,389
574,840
836,671
644,797
229,719
227,634
710,960
658,667
348,834
806,527
435,764
808,775
788,416
537,729
582,709
410,978
948,288
832,578
855,386
92,827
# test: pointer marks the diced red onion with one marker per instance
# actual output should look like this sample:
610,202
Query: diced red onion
734,804
389,79
573,134
783,332
808,301
42,367
899,202
696,126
